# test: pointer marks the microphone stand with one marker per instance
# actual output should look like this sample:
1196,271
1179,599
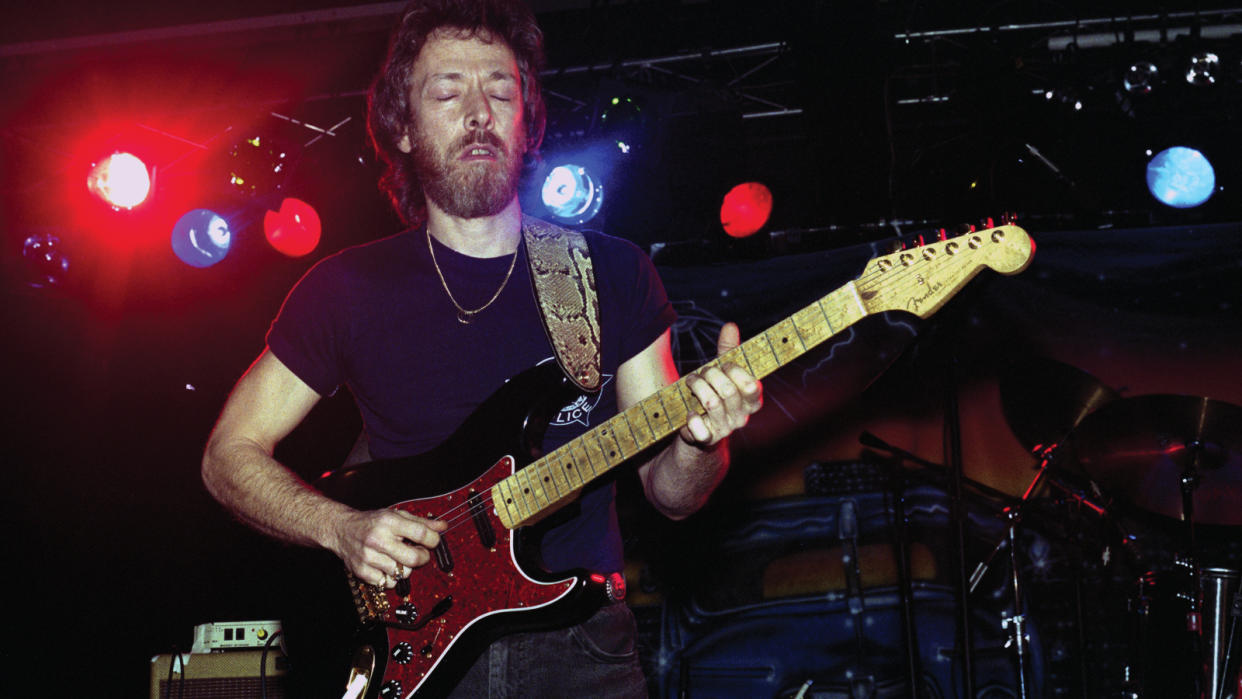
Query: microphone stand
1016,623
870,440
1013,513
904,579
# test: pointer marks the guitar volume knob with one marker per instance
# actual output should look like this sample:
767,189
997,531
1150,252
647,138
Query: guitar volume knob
406,613
403,653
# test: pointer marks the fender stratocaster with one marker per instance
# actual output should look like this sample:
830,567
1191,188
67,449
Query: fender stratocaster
421,637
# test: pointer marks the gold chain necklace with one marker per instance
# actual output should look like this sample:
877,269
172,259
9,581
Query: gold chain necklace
465,316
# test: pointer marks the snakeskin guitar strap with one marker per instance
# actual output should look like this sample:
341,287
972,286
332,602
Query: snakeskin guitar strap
564,286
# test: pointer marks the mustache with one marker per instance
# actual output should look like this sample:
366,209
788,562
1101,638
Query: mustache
483,138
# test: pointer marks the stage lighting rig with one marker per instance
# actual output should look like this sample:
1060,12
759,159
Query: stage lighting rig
201,238
121,180
572,193
745,209
1141,78
258,164
623,121
45,260
294,230
1181,177
1203,69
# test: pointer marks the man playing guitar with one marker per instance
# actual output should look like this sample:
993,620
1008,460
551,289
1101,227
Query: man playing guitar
424,325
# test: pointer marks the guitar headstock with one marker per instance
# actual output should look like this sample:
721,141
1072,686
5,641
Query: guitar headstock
920,280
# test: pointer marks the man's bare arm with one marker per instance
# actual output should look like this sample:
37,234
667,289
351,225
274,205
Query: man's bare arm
681,477
239,470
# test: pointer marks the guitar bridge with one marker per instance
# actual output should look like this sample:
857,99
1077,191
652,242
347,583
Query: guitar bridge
370,601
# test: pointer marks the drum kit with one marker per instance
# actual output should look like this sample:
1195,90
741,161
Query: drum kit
1172,462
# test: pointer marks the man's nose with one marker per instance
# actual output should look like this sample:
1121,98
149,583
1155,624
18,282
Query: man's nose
478,111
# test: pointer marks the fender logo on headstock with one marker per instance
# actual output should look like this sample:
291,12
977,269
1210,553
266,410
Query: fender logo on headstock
917,302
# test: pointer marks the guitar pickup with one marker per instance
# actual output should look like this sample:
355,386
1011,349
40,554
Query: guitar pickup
444,557
478,513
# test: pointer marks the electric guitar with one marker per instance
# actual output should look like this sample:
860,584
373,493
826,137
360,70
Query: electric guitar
419,638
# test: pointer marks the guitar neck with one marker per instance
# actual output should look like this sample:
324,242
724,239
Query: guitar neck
549,482
917,281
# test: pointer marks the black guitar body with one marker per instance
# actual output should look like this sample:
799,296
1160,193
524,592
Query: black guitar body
484,582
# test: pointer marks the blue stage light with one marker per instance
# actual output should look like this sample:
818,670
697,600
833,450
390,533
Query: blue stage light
572,194
1181,177
201,238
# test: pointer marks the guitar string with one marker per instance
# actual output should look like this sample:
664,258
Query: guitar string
458,519
897,276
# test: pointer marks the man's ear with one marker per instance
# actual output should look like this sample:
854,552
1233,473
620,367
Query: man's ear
404,144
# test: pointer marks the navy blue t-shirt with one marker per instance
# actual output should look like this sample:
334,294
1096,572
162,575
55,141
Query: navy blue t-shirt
376,318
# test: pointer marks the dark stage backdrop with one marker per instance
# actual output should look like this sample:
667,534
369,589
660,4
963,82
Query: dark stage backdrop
116,552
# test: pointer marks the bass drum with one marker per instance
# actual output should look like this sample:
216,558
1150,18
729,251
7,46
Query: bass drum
800,597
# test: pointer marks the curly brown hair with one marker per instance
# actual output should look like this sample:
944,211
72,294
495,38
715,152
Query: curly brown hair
389,111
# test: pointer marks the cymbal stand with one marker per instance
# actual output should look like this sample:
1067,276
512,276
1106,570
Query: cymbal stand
1190,482
1194,596
1016,623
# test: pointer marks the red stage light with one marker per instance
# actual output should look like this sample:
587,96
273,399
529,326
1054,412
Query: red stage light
294,230
121,180
745,209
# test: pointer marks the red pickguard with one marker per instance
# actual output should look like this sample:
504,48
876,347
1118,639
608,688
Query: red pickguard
491,593
484,581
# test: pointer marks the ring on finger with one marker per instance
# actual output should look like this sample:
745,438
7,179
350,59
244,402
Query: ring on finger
400,571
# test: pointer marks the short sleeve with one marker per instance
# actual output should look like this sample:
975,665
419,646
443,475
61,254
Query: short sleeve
309,333
632,289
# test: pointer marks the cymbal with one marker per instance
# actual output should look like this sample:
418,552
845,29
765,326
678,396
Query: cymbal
1043,399
1139,448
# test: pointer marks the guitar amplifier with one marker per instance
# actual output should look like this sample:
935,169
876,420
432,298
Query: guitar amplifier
228,675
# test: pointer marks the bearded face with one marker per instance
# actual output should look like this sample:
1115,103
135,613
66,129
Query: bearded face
476,175
467,134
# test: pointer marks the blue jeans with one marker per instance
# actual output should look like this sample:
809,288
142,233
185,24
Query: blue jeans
597,658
